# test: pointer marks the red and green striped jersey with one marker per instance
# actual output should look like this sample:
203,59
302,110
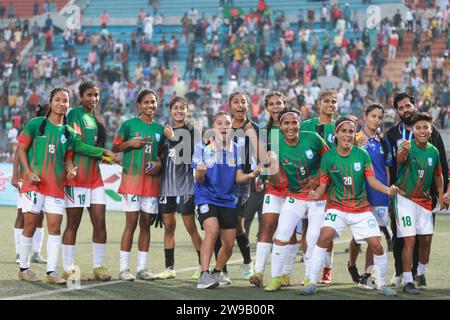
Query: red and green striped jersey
314,125
415,176
84,124
345,177
134,179
299,164
46,155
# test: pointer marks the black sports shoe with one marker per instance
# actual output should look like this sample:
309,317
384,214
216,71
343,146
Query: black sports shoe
421,282
410,288
353,270
367,282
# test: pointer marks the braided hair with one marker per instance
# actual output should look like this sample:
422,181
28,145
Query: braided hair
44,123
101,133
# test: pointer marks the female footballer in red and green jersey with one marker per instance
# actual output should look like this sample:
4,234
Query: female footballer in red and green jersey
324,125
343,171
274,197
86,189
418,161
141,140
299,155
44,145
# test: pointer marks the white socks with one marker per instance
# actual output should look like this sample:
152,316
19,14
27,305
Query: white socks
141,260
68,256
421,269
98,252
279,255
407,277
25,251
329,259
382,263
290,261
53,248
262,254
38,238
124,260
316,263
17,235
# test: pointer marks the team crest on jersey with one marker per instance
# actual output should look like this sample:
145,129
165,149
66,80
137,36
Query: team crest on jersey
63,139
309,154
157,137
430,162
357,166
372,223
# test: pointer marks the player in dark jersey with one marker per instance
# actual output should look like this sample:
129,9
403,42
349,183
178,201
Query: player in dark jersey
246,136
176,191
343,171
44,145
419,165
86,189
140,139
16,181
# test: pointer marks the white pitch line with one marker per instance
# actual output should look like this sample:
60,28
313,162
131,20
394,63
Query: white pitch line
57,291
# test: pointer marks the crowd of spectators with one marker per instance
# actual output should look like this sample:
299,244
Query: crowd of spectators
257,52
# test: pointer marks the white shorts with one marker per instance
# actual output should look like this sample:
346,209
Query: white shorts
293,212
78,197
19,201
35,202
382,215
135,203
412,219
272,204
362,225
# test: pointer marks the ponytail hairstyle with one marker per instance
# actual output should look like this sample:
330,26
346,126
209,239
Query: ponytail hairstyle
41,110
44,123
101,130
266,102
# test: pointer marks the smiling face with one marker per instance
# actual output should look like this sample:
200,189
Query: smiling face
406,110
90,98
274,105
346,135
374,119
222,126
328,104
422,131
290,125
239,106
148,105
60,103
178,112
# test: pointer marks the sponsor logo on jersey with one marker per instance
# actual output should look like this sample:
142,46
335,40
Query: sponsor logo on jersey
357,166
309,154
137,134
334,169
63,139
157,136
430,162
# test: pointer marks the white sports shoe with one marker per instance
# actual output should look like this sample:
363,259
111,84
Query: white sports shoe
126,275
396,280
